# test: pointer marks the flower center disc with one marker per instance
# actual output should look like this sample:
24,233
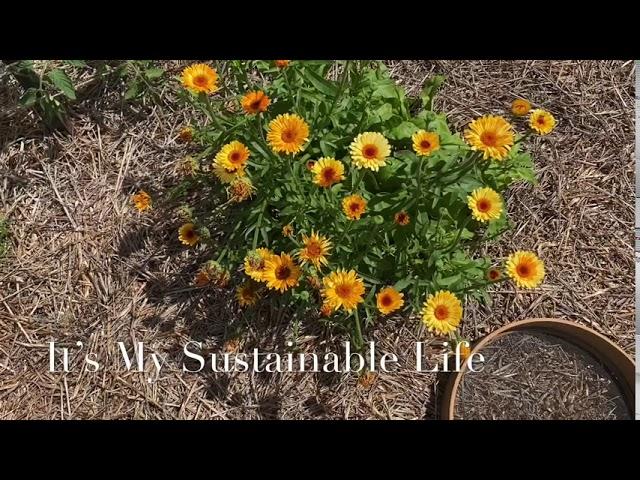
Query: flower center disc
354,207
489,139
283,272
441,312
288,136
328,174
425,144
386,300
314,250
343,291
524,270
541,121
483,205
235,157
200,81
370,151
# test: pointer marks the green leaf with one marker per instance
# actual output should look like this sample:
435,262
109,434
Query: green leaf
404,130
62,82
152,73
133,91
322,84
429,91
29,98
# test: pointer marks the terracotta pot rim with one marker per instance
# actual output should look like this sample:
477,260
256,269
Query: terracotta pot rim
616,360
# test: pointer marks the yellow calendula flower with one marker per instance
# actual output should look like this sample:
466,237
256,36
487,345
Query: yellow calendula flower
389,300
442,312
247,294
187,234
281,273
520,107
327,171
233,156
241,189
282,63
542,121
402,218
491,135
225,175
354,206
315,250
255,102
141,200
200,78
343,289
287,133
485,204
425,143
287,231
525,269
370,150
255,263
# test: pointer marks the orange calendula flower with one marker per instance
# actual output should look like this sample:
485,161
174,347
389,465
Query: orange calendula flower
343,289
425,143
141,200
247,294
187,234
241,189
281,273
326,310
327,171
520,107
525,269
389,300
200,78
542,121
494,274
316,249
287,230
287,133
485,204
465,350
233,156
442,312
354,206
186,134
255,102
282,63
402,218
492,135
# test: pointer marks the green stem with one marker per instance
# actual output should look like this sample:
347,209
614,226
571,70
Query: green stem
359,340
457,239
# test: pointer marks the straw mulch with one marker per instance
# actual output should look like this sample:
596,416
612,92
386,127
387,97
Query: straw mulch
85,266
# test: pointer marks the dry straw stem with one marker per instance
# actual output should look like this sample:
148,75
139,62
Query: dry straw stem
85,266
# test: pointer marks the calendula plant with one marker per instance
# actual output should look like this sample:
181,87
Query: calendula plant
324,188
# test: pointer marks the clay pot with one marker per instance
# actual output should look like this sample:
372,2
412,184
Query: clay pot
619,364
